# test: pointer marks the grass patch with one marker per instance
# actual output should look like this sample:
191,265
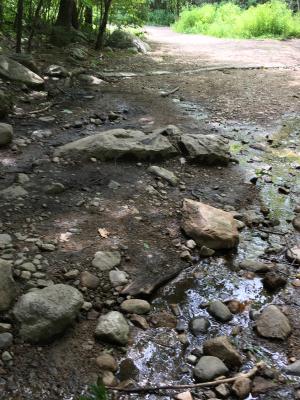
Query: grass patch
273,19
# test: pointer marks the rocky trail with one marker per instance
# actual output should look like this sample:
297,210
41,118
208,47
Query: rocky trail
149,220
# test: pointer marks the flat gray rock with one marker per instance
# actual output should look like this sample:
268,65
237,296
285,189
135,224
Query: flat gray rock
46,313
16,72
13,192
255,266
106,260
7,285
273,324
293,369
207,149
113,328
164,173
209,368
119,143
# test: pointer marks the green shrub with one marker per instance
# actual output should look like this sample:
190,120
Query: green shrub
161,17
272,19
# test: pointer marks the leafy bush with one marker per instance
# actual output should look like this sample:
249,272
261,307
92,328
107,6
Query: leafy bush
161,17
272,19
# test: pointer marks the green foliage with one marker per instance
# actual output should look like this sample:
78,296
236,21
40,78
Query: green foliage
272,19
129,12
97,392
161,17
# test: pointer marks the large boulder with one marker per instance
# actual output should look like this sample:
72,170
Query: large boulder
119,143
209,226
14,71
113,328
6,134
207,149
273,324
46,313
221,347
7,285
120,39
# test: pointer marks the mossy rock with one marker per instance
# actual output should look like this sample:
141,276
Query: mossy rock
60,36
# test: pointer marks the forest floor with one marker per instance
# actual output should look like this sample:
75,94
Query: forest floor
246,90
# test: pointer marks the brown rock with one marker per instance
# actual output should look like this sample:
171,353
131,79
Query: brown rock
221,348
108,378
242,387
296,223
139,321
89,280
163,319
273,281
209,226
273,324
262,385
106,362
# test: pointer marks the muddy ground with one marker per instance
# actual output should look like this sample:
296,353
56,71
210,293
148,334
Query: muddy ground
250,92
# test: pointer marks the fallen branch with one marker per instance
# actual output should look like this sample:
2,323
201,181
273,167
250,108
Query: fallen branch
248,374
166,94
41,110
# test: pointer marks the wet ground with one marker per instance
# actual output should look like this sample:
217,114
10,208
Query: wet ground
258,110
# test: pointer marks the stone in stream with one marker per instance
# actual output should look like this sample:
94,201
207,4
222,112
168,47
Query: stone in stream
221,347
107,362
255,266
16,72
7,285
209,226
6,134
106,260
273,324
207,149
46,313
296,223
242,387
209,368
293,254
273,281
119,143
6,340
54,188
293,369
199,326
113,328
164,173
135,306
220,311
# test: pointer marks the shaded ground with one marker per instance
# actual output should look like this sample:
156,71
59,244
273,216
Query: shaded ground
246,105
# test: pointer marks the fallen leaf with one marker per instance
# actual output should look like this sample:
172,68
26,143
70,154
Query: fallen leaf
103,233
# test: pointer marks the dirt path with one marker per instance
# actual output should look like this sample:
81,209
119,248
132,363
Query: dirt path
247,106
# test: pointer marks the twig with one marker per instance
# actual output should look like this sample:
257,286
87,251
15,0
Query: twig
42,109
272,232
166,94
248,374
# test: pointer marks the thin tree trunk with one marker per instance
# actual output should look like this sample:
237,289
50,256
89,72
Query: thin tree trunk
103,24
88,16
19,25
75,21
34,23
1,14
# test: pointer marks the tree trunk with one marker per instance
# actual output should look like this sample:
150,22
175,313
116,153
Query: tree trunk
19,25
102,25
1,14
34,22
75,20
65,13
88,16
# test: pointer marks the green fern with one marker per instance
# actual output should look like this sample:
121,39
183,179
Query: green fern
96,392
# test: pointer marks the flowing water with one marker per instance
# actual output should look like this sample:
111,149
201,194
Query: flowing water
157,356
